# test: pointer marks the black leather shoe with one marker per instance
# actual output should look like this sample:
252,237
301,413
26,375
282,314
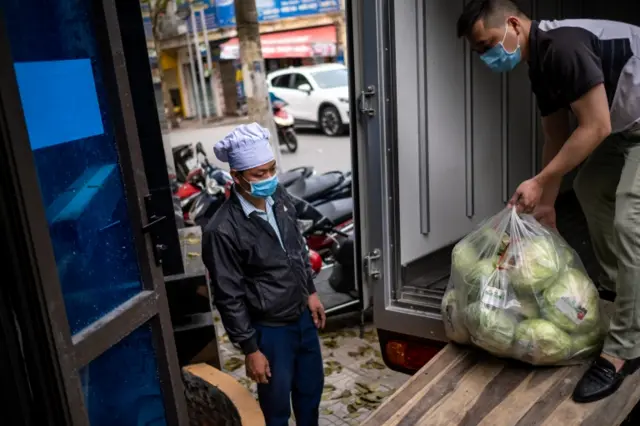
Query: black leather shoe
601,380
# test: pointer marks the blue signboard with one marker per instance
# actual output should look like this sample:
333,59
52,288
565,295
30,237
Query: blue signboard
272,10
225,13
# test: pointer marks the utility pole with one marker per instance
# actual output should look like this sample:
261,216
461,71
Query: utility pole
203,86
253,70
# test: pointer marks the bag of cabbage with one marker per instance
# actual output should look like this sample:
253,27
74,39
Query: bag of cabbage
517,290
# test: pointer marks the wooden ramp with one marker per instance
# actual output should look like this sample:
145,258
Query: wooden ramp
464,386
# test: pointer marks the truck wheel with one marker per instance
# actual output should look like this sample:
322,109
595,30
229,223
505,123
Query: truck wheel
330,121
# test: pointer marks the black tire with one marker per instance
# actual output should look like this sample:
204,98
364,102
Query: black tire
330,121
291,140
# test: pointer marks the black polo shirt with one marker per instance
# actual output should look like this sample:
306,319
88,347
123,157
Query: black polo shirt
568,58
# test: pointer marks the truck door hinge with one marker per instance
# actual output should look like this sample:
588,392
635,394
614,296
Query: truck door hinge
154,227
372,264
363,101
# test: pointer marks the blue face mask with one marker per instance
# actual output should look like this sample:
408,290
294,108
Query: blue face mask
264,188
498,59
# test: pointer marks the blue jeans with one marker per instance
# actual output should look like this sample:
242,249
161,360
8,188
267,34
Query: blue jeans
297,373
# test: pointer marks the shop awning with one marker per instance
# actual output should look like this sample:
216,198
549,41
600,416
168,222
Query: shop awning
305,43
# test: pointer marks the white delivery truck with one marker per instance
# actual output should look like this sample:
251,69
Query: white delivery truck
441,143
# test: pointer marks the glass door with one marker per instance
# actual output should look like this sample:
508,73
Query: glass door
66,103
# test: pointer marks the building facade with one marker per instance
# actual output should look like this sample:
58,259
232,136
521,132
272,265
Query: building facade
199,56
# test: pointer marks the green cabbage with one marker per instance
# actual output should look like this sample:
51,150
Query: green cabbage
541,342
490,328
488,240
564,251
537,265
572,302
481,275
525,307
566,254
587,343
464,257
453,318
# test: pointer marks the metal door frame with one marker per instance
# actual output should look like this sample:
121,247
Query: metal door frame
150,305
373,106
373,65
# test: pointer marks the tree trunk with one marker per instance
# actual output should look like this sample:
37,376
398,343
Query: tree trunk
253,69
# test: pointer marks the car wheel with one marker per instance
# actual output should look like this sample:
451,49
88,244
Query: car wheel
330,121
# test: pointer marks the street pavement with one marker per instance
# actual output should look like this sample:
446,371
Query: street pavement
314,149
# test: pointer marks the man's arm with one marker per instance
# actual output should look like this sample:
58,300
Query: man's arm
221,258
556,131
594,125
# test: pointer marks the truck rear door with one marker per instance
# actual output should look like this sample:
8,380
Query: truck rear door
441,144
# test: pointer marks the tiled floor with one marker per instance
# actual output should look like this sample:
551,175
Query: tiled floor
356,379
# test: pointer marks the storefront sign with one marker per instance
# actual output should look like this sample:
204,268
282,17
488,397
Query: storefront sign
305,43
272,10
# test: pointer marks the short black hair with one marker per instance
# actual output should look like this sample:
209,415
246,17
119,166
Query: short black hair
491,11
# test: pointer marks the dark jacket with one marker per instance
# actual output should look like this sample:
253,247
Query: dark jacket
253,280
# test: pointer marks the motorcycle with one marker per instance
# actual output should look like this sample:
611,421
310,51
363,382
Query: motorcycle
319,189
289,177
199,179
206,203
284,125
321,224
343,275
185,161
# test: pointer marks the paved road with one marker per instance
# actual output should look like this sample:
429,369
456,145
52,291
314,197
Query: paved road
315,149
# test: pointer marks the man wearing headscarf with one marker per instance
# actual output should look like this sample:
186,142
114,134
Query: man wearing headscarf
262,284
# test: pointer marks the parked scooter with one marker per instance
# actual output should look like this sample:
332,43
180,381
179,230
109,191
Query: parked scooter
321,224
199,178
206,203
343,275
284,125
185,161
319,189
287,178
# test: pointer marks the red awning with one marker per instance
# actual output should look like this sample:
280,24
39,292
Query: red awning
305,43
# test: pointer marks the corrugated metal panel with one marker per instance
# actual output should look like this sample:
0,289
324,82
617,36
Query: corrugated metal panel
465,135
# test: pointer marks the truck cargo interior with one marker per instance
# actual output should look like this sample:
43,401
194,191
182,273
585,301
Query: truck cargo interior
442,144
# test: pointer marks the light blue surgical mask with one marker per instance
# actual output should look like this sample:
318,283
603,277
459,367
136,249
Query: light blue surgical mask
264,188
498,59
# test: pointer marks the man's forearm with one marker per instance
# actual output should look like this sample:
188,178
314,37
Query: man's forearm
580,144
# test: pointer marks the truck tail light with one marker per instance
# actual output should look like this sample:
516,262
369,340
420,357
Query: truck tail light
410,355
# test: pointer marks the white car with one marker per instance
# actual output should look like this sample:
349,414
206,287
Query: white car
317,95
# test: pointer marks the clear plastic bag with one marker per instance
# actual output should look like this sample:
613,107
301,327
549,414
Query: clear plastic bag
517,290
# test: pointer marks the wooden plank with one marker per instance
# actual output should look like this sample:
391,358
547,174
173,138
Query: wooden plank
467,387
